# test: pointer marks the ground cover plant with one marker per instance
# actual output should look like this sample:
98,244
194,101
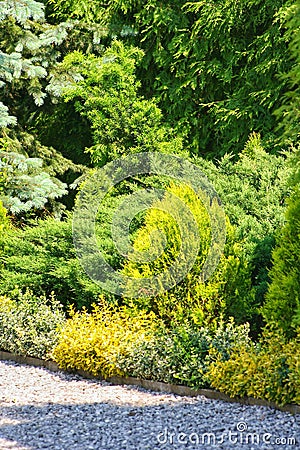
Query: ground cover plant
30,325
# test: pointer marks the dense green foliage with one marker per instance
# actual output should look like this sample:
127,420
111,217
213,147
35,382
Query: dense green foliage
214,67
182,355
216,83
288,113
282,306
41,257
120,342
253,189
107,95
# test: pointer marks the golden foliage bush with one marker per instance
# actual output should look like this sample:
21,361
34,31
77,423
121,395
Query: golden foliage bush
225,294
268,370
93,341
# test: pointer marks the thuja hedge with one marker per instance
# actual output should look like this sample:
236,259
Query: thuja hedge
213,66
120,341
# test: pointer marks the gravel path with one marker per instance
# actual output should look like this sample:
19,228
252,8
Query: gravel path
44,410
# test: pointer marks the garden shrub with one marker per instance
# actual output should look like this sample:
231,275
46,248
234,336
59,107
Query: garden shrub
226,293
269,370
183,354
106,93
282,306
253,189
30,325
93,341
42,258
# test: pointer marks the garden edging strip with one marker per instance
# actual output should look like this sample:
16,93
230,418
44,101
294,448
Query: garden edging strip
151,385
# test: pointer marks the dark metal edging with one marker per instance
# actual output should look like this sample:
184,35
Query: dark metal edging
151,385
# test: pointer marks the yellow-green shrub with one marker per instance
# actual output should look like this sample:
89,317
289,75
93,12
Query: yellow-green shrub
93,341
268,370
225,294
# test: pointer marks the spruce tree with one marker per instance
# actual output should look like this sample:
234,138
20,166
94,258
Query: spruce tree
29,52
24,185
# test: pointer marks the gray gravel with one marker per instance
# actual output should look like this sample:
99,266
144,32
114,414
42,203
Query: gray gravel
44,410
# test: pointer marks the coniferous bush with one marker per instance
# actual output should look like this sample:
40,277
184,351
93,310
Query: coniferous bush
105,92
214,67
253,189
42,258
224,294
282,306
